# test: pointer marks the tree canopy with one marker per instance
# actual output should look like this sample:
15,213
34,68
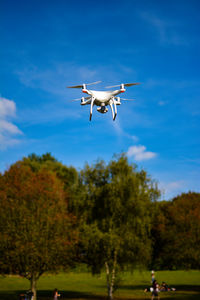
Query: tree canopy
117,219
36,231
176,233
106,215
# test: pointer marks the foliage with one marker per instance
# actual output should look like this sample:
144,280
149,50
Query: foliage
176,233
117,218
68,175
36,231
109,211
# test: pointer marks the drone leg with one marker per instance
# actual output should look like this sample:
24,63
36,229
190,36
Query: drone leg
115,106
111,106
91,107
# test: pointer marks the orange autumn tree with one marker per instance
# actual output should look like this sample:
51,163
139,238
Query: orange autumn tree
37,233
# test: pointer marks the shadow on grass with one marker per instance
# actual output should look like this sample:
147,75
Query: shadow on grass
48,295
184,292
69,295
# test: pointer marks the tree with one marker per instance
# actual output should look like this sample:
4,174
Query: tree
68,175
176,233
37,233
117,220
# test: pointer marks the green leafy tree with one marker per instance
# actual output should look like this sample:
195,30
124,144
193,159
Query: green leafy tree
176,233
37,233
117,218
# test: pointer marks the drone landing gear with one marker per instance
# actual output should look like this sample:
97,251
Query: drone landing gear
114,114
91,107
115,106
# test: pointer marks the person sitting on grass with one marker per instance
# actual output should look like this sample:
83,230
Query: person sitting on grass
165,288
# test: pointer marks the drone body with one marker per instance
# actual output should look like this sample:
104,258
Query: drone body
102,99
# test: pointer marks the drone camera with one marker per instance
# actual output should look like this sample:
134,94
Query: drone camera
102,109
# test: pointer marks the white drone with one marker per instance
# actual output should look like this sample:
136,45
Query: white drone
102,98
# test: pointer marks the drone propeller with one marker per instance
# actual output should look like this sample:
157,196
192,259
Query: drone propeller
125,84
82,85
127,99
78,99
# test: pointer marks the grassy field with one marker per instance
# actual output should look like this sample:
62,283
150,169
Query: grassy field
82,285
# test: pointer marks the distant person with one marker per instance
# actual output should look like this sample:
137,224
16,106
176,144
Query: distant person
164,287
155,290
56,294
152,276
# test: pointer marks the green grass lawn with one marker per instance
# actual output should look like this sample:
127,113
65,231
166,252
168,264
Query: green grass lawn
82,285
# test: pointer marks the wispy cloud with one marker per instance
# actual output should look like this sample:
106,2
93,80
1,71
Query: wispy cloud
171,188
61,74
139,153
54,80
120,131
179,84
166,30
7,129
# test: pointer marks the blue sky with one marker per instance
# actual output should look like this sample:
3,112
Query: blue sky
48,45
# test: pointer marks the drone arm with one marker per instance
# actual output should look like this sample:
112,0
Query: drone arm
117,92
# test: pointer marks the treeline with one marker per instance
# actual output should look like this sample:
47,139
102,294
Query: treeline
107,216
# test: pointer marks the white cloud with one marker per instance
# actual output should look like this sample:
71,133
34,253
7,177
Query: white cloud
7,108
139,153
7,128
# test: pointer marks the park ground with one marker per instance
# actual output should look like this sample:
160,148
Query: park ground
82,285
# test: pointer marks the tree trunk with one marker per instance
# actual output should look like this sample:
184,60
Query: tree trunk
108,280
110,276
33,282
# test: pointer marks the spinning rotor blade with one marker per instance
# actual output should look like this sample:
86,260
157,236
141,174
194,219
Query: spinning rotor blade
130,84
96,82
81,86
112,86
127,99
75,87
78,99
125,84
